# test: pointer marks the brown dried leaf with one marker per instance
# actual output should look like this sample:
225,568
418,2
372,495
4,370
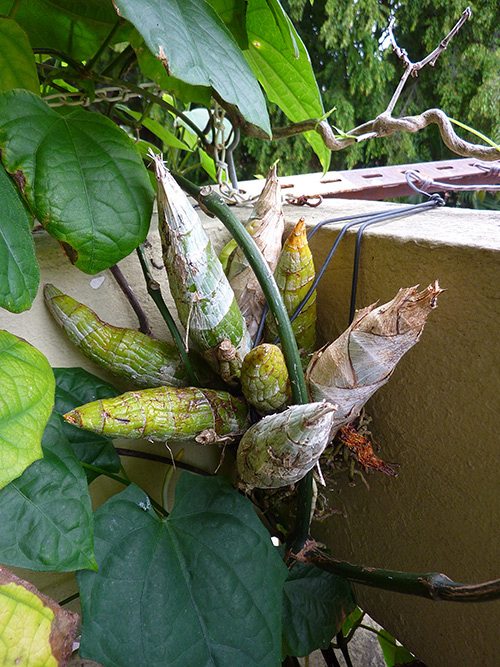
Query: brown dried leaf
362,359
363,449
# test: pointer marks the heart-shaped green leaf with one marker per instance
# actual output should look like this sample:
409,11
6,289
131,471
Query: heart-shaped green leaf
288,80
209,570
152,68
91,190
26,398
72,26
34,630
17,63
315,604
20,275
47,521
74,387
195,46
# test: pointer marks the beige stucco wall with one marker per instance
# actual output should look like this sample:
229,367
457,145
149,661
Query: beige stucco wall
437,416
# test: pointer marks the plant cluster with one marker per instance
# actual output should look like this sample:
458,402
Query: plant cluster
80,89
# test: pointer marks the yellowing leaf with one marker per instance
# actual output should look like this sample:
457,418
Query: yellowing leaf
34,630
27,388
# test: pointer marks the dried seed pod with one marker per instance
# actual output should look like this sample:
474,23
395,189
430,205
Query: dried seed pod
203,296
362,359
264,379
281,449
163,413
266,226
125,352
294,274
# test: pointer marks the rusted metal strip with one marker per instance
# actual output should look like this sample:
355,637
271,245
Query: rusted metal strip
378,183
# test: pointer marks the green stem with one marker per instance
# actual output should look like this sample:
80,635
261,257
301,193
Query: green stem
122,58
104,45
148,456
214,203
65,57
14,8
106,473
161,510
154,292
300,531
430,585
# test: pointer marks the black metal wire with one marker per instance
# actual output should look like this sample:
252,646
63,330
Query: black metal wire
434,200
365,220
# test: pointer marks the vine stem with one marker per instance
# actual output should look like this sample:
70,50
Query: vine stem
161,510
211,201
154,292
104,45
14,8
430,585
132,299
148,456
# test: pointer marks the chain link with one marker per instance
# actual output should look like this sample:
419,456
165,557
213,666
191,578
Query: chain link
107,94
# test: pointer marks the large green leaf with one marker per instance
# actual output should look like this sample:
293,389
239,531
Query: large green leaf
74,387
34,630
315,604
288,81
154,70
17,63
72,26
47,521
233,12
19,272
195,46
202,587
82,175
26,397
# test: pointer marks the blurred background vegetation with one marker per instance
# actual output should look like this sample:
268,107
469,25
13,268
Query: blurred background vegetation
357,72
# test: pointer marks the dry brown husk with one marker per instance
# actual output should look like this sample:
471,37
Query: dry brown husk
266,226
363,358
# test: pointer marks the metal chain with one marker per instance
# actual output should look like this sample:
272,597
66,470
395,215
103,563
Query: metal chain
107,94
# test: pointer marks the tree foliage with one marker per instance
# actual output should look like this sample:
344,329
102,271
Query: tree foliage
357,72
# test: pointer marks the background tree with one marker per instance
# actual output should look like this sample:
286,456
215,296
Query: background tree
357,72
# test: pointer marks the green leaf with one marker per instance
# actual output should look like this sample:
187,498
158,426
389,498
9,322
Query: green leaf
157,129
19,272
17,63
153,69
34,630
393,654
201,587
288,81
91,190
353,619
26,397
233,13
46,513
315,604
74,387
196,47
72,26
